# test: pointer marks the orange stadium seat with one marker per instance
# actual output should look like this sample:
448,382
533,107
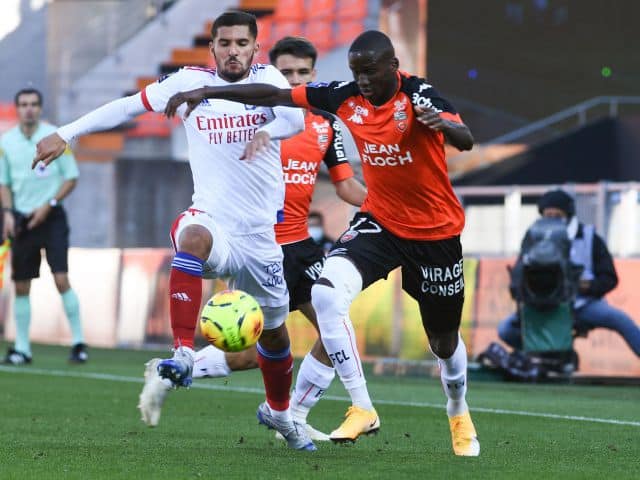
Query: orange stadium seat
284,28
289,10
352,9
191,56
248,5
150,124
8,116
321,34
265,27
99,147
142,82
348,30
320,9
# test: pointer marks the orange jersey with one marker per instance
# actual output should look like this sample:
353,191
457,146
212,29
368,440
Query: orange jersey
403,161
301,157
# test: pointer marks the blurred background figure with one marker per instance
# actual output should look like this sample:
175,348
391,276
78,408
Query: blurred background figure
317,231
598,277
33,217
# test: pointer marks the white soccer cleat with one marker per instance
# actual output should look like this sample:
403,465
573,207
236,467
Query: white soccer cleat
293,432
153,393
177,369
315,435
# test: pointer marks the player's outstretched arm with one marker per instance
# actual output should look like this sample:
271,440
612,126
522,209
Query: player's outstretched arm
105,117
351,191
457,134
261,94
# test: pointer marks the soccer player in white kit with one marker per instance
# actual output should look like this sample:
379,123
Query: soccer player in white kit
238,194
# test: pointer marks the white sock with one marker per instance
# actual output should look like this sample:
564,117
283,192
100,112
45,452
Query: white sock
312,381
281,415
336,330
210,362
453,375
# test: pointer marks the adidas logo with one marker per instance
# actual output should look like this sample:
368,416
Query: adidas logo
181,296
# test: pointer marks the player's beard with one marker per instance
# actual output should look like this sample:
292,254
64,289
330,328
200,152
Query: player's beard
234,76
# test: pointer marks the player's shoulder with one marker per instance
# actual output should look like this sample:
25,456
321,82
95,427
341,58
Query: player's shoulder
319,116
46,128
413,84
260,71
190,73
11,136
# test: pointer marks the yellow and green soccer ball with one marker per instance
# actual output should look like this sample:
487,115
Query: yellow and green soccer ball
232,320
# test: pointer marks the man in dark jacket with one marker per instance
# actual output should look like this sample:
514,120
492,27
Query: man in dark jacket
598,278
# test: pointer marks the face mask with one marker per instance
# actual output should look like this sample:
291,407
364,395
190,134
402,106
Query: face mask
316,233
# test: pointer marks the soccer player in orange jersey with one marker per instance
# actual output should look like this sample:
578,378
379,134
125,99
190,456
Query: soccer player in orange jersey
411,218
301,157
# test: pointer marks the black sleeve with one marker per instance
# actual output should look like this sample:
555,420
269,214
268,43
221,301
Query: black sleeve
329,96
605,277
422,94
335,154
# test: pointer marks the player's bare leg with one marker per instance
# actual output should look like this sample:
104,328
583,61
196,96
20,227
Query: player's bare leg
451,352
331,297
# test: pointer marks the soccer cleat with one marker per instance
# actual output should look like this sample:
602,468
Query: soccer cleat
293,432
15,357
315,435
464,438
177,369
79,353
153,393
358,422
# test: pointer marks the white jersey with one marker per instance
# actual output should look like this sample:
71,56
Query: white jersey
242,196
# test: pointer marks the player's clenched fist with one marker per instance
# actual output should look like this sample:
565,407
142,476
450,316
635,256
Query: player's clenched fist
192,98
48,149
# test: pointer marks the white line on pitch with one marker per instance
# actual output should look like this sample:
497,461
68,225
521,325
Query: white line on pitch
209,386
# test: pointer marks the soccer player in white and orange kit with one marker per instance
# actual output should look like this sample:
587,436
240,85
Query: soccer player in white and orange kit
411,218
302,155
238,195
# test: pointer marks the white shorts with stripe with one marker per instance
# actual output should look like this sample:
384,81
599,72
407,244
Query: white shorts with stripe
252,262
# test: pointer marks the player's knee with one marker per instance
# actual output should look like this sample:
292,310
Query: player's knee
195,240
333,292
274,318
443,344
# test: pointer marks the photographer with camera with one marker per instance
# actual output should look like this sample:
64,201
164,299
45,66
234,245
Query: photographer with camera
589,251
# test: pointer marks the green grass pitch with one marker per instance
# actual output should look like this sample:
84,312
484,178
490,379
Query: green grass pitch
81,422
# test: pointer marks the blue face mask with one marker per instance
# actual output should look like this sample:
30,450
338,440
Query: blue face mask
316,233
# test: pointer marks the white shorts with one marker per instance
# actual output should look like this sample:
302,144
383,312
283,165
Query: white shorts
252,262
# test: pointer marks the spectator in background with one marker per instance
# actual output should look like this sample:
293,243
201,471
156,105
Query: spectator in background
34,219
598,278
317,231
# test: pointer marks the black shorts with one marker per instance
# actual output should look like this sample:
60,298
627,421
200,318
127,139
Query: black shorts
52,235
431,270
303,262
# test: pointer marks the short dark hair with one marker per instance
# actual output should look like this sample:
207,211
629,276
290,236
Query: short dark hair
233,18
372,40
297,46
28,91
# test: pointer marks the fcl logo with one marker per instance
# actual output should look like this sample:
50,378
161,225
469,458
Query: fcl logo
400,114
